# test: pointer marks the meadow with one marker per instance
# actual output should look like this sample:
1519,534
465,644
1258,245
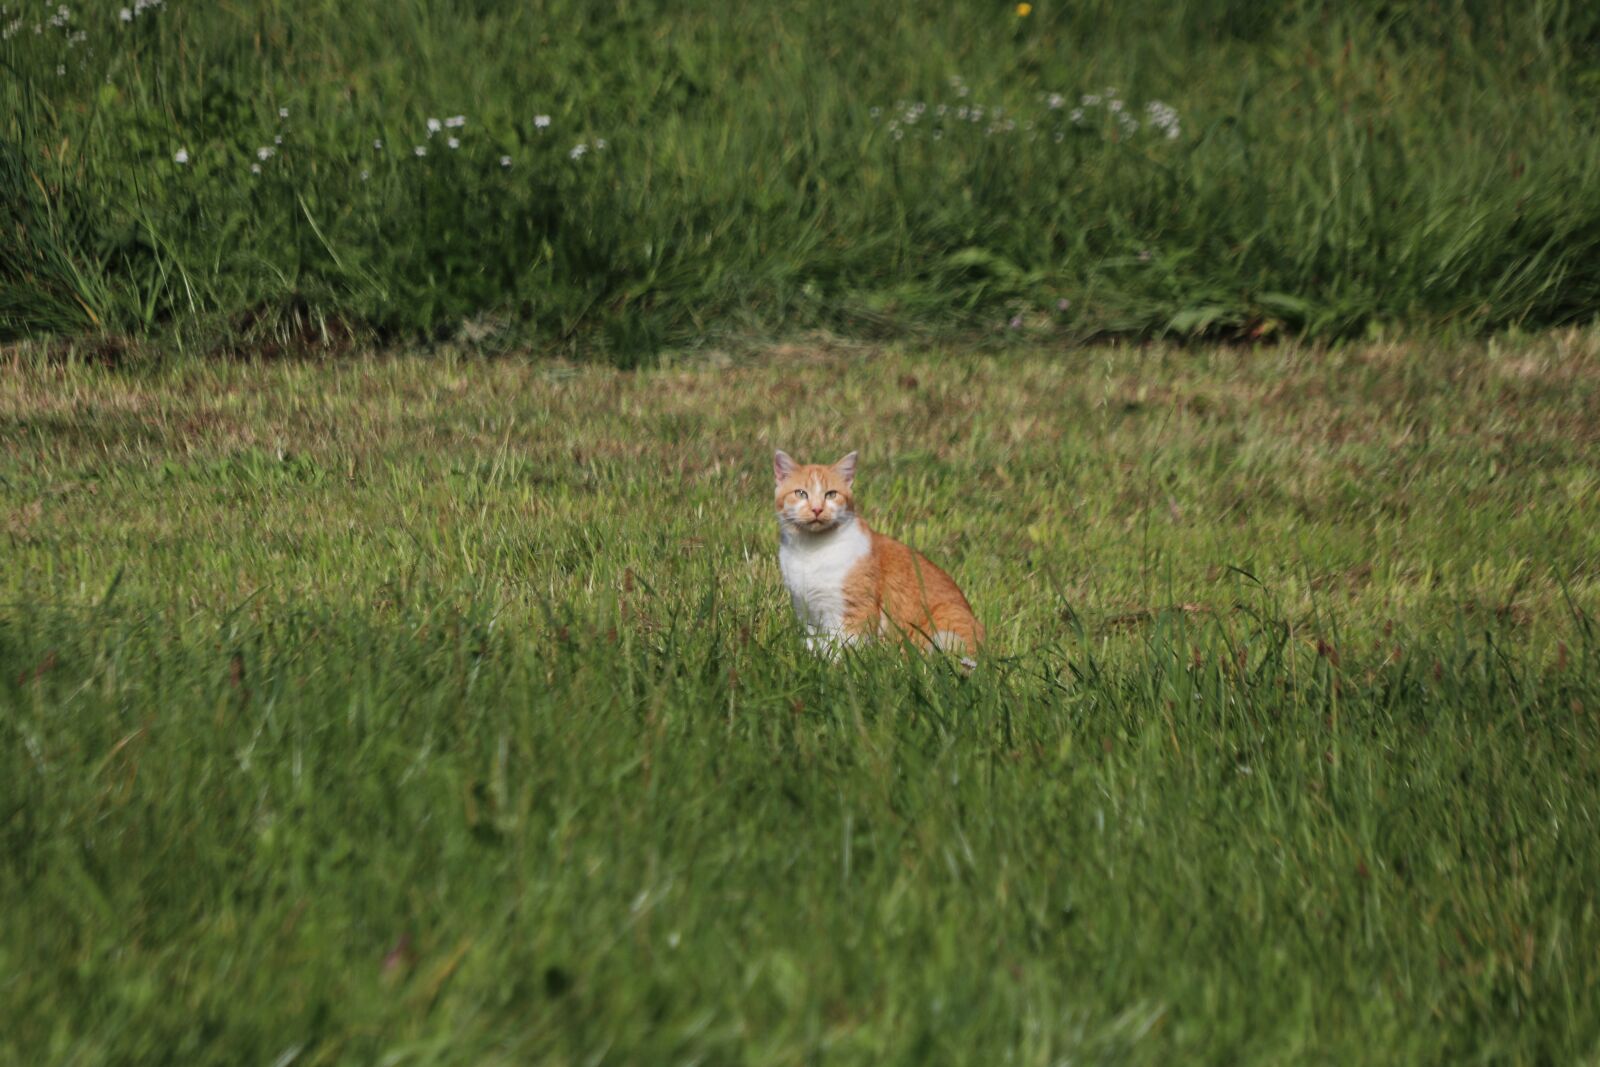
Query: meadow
431,709
394,666
614,180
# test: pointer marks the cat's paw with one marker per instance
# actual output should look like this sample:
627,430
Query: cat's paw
827,646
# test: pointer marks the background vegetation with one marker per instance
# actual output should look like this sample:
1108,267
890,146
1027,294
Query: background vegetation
441,710
245,175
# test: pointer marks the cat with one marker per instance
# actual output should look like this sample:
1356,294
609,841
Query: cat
849,583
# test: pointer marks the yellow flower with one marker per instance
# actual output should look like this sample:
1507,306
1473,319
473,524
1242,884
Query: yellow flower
1024,10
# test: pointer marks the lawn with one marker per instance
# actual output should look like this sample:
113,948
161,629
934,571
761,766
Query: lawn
430,709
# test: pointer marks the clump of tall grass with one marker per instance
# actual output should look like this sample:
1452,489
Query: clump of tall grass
637,175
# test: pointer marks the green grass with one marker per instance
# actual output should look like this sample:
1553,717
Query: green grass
1334,170
436,710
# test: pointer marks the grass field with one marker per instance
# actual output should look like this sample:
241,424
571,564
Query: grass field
389,676
433,710
614,179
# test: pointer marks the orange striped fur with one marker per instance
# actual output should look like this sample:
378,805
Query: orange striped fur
847,582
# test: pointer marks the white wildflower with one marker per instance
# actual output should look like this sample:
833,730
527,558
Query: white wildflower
599,144
1089,100
433,127
278,139
505,161
255,168
265,152
283,112
453,143
126,15
419,151
1057,101
541,121
1164,117
365,175
578,150
181,156
456,121
377,144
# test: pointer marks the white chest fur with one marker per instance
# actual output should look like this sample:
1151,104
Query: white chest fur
814,568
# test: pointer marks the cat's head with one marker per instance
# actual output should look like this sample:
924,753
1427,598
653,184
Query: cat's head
814,497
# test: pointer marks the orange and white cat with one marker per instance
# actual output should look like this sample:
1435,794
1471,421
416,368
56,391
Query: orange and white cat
849,583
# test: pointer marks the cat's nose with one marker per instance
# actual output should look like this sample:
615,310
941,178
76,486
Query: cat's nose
815,510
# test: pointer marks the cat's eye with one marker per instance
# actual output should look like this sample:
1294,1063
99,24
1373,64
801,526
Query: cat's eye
832,493
801,493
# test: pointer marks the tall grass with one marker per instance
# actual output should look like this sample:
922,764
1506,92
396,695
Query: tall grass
1332,171
291,834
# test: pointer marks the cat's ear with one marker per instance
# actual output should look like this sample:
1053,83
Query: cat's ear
847,469
783,465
